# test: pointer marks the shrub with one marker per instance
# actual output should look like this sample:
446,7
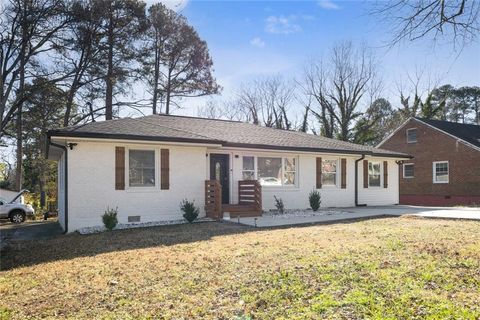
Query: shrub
279,204
314,199
190,212
110,218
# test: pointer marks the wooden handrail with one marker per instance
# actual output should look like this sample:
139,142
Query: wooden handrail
213,199
250,193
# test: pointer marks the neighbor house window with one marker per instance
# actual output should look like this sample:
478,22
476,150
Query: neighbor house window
248,172
270,171
329,172
141,164
374,174
408,170
411,135
440,172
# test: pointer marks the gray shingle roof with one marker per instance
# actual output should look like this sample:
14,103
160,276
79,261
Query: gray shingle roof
226,133
467,132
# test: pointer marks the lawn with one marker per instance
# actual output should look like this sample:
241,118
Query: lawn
398,268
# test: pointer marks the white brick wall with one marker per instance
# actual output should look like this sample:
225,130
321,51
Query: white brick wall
92,184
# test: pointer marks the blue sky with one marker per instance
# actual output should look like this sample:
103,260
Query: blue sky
249,39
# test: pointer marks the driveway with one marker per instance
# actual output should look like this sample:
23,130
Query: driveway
29,230
340,214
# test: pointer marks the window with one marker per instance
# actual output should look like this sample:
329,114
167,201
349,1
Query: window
141,164
411,135
408,170
374,174
248,171
289,171
440,172
270,171
329,172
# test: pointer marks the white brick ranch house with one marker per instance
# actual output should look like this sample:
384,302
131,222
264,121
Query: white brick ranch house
146,166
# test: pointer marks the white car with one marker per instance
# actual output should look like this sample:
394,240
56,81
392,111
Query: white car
16,212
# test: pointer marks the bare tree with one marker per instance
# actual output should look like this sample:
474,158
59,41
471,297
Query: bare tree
266,101
454,20
215,109
28,29
338,85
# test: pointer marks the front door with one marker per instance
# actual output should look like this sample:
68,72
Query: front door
220,170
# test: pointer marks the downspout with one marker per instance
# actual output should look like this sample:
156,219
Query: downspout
356,181
66,180
399,163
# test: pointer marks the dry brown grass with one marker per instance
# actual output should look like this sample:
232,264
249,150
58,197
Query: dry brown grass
395,267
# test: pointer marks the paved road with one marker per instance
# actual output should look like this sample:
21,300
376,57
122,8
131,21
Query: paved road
30,230
366,212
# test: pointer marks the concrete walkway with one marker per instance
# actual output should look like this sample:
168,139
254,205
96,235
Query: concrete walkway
366,212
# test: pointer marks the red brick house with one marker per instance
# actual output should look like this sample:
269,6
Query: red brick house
445,170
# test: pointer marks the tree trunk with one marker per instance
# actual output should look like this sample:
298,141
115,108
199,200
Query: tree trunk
21,93
109,79
168,92
156,76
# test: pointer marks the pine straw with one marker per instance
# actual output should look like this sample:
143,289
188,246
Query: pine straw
382,268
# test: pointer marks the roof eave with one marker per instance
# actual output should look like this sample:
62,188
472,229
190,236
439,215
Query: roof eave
319,150
95,135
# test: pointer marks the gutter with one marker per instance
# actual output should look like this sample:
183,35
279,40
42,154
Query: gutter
356,181
50,143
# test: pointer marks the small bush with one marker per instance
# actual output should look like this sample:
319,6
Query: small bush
314,199
279,205
190,212
110,218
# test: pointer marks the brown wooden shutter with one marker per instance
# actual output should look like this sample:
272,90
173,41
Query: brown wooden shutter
119,168
385,174
343,168
365,173
319,173
164,169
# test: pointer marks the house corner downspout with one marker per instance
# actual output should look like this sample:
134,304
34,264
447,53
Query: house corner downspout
356,181
64,148
399,163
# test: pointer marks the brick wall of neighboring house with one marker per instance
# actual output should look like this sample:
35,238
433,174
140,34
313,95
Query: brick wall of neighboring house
433,145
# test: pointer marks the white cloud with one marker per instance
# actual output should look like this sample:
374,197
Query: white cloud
282,25
257,42
176,5
328,4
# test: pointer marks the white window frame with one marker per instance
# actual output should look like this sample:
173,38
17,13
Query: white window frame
255,164
337,173
127,169
434,172
416,136
408,164
381,174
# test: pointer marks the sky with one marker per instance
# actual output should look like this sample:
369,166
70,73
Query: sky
251,39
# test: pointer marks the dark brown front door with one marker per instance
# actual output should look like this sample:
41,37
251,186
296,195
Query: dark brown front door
220,170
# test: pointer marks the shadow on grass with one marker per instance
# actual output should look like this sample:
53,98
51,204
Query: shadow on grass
70,246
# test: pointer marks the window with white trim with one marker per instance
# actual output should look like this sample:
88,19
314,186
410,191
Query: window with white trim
289,172
412,135
329,172
374,174
141,168
408,170
248,169
270,171
440,172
